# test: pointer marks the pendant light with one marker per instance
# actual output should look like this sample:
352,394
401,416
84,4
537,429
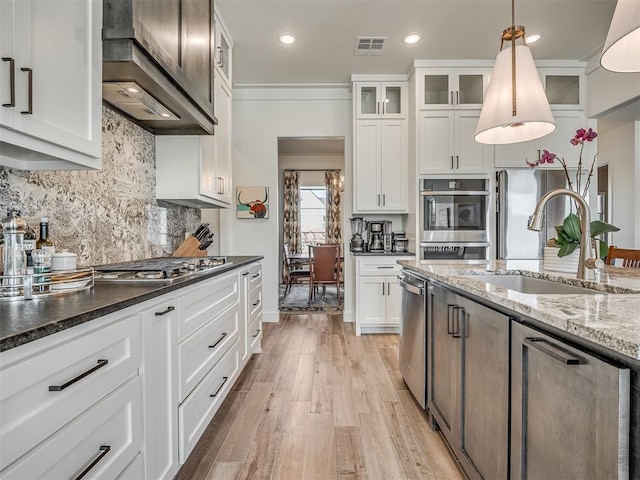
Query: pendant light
621,51
515,108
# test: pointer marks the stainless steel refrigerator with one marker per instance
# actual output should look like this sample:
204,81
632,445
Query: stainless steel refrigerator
518,191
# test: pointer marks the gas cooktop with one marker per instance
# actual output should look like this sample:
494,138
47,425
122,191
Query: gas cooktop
159,270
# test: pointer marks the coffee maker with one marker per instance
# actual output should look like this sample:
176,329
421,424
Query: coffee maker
358,226
376,235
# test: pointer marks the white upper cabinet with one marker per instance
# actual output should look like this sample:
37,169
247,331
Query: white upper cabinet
381,166
447,144
381,99
565,87
224,49
446,88
222,139
558,142
50,84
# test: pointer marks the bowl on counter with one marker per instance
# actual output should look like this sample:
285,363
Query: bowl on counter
63,261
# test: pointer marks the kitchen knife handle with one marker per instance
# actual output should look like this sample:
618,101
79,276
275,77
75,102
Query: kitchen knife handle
12,81
29,71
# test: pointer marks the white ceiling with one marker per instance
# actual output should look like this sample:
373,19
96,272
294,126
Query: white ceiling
452,29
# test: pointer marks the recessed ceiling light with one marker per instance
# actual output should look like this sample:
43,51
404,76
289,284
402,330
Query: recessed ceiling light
132,90
533,37
287,38
411,38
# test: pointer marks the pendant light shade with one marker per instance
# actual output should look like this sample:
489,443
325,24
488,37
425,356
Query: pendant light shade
532,119
621,51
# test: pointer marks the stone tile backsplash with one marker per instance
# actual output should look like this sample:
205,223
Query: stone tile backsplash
104,216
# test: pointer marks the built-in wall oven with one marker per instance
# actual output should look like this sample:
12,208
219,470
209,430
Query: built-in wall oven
454,215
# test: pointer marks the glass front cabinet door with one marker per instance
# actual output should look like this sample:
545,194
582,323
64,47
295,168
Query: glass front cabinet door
444,88
381,100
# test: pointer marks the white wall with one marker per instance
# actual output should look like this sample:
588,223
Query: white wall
260,116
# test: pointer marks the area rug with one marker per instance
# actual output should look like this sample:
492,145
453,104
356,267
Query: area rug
297,299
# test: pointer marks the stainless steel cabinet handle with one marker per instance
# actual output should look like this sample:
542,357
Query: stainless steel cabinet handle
410,288
224,380
29,111
378,199
457,311
257,333
388,288
104,449
220,186
12,82
552,350
449,319
384,199
224,334
451,162
59,388
221,57
377,108
385,266
164,312
457,162
457,98
451,102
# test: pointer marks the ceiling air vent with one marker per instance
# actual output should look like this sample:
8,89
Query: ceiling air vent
369,45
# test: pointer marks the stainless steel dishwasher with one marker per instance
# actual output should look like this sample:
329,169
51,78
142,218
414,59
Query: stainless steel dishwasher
413,340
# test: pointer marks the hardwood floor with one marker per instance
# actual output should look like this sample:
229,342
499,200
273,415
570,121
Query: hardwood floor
320,403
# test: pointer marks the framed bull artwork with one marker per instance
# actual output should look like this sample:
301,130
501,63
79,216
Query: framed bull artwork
253,202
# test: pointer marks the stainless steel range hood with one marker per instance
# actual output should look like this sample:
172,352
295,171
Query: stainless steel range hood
124,62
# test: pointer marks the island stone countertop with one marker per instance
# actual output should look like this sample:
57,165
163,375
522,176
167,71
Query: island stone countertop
24,321
608,318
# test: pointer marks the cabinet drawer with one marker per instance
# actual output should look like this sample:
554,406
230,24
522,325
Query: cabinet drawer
106,438
255,305
384,266
202,350
255,335
42,392
205,301
255,277
197,411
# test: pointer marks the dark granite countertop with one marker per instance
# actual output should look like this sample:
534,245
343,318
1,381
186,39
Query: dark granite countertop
28,320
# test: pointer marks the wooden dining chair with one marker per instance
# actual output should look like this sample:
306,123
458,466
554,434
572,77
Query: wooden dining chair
630,257
295,272
324,263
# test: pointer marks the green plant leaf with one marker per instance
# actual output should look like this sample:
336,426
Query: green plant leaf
604,249
567,249
598,228
571,227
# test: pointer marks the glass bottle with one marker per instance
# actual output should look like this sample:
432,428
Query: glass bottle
29,244
13,256
44,242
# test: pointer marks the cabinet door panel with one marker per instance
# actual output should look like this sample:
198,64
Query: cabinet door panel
223,141
393,301
371,300
157,28
444,354
6,51
471,156
436,142
485,383
394,165
196,46
367,166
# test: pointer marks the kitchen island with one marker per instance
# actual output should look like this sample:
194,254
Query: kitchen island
552,376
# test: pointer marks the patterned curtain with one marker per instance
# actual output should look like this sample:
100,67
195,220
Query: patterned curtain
334,224
291,217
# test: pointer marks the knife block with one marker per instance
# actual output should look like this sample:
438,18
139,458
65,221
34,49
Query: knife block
189,248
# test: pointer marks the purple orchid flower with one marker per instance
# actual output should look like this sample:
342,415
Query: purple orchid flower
547,157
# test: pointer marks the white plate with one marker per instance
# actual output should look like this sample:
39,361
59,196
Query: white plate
70,285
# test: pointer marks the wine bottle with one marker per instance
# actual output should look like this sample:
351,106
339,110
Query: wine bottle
44,242
29,244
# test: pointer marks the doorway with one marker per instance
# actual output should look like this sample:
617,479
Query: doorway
311,187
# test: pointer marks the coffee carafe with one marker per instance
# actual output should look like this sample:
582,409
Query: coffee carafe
376,243
358,226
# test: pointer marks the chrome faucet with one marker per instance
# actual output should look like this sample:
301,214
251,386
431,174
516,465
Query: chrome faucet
535,223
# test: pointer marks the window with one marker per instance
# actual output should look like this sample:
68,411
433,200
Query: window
313,202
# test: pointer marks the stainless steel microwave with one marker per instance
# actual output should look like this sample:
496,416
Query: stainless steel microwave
454,218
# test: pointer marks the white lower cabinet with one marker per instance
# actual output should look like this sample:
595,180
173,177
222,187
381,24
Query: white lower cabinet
128,395
195,413
377,294
160,367
98,444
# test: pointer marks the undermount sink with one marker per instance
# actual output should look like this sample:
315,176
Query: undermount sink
532,285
